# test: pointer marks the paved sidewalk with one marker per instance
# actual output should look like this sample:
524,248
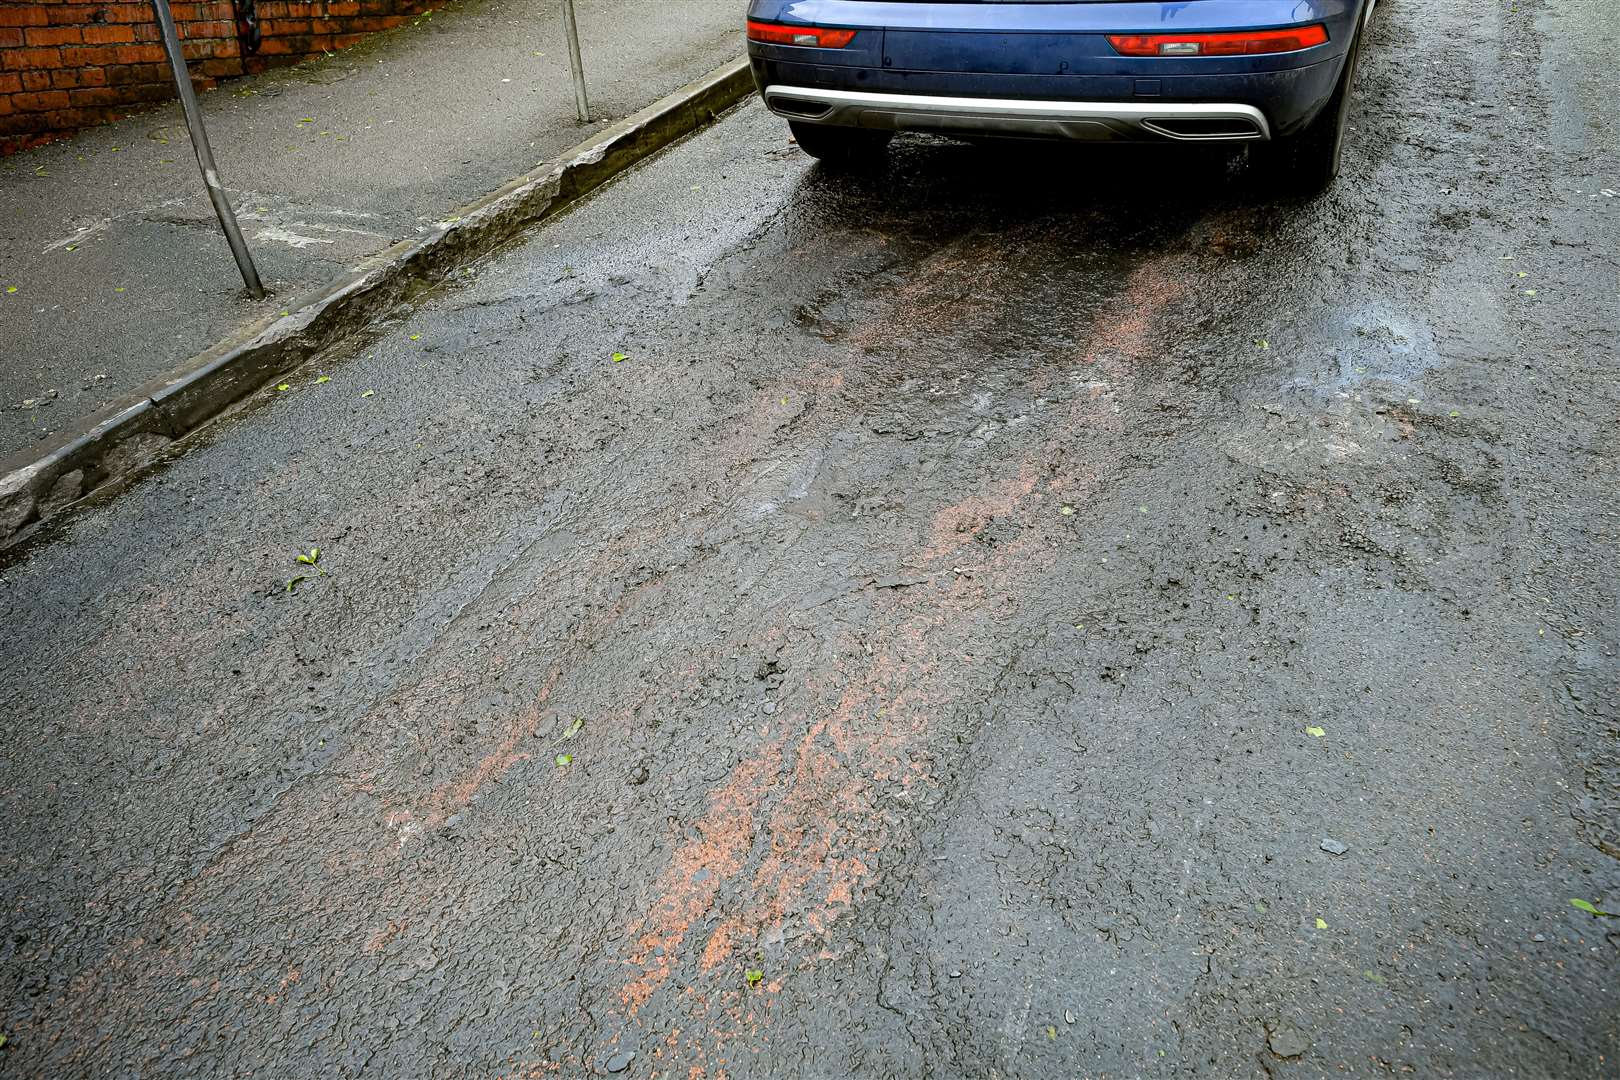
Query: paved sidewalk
120,270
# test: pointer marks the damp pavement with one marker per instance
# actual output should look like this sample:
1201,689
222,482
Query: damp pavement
1012,614
120,269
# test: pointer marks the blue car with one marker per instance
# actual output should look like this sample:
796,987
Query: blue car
848,74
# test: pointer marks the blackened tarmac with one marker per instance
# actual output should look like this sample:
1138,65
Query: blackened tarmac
941,648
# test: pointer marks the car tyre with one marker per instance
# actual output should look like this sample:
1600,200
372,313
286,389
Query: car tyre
1306,163
843,146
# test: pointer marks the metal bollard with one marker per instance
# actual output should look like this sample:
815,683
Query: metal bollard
205,155
576,67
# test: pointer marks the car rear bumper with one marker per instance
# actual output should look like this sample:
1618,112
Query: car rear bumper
1285,99
1158,121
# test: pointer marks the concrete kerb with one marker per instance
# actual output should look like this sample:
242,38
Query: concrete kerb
40,483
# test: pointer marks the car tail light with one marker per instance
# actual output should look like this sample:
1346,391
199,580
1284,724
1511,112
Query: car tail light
816,37
1235,43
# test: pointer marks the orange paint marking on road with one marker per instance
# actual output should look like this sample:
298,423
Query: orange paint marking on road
447,798
695,873
960,522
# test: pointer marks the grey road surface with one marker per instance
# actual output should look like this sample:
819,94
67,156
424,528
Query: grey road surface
1011,614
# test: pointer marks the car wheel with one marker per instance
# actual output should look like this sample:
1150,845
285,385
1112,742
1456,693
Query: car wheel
1306,162
840,145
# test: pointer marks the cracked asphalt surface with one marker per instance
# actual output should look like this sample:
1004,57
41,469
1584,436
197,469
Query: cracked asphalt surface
965,615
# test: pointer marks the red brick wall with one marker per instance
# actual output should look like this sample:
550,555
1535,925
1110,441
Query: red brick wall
65,65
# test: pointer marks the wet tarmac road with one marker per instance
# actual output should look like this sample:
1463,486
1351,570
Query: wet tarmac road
942,648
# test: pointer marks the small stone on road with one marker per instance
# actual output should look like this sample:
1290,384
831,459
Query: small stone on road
1287,1041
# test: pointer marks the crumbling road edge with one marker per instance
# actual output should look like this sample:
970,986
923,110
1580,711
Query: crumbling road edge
39,483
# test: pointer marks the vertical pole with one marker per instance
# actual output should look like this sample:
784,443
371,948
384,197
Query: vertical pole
205,156
575,66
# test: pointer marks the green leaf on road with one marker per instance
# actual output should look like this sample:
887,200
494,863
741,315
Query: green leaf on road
753,976
573,729
1315,731
1321,924
619,358
1262,344
1051,1032
564,759
1373,977
1066,511
310,557
284,386
368,393
1592,909
293,584
10,289
323,379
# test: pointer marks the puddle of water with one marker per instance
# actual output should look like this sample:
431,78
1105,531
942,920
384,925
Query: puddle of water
1369,344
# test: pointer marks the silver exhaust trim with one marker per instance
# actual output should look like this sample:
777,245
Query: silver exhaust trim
1131,121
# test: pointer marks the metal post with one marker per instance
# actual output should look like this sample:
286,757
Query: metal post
575,66
205,156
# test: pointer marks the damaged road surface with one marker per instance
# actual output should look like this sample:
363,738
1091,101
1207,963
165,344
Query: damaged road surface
1013,614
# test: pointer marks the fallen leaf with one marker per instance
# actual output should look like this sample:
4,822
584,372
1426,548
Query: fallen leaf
619,358
119,289
416,337
323,379
1316,731
1051,1032
310,557
753,976
368,393
284,386
1529,292
1321,924
564,759
573,729
1262,344
1066,511
1373,976
10,289
293,584
1592,909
